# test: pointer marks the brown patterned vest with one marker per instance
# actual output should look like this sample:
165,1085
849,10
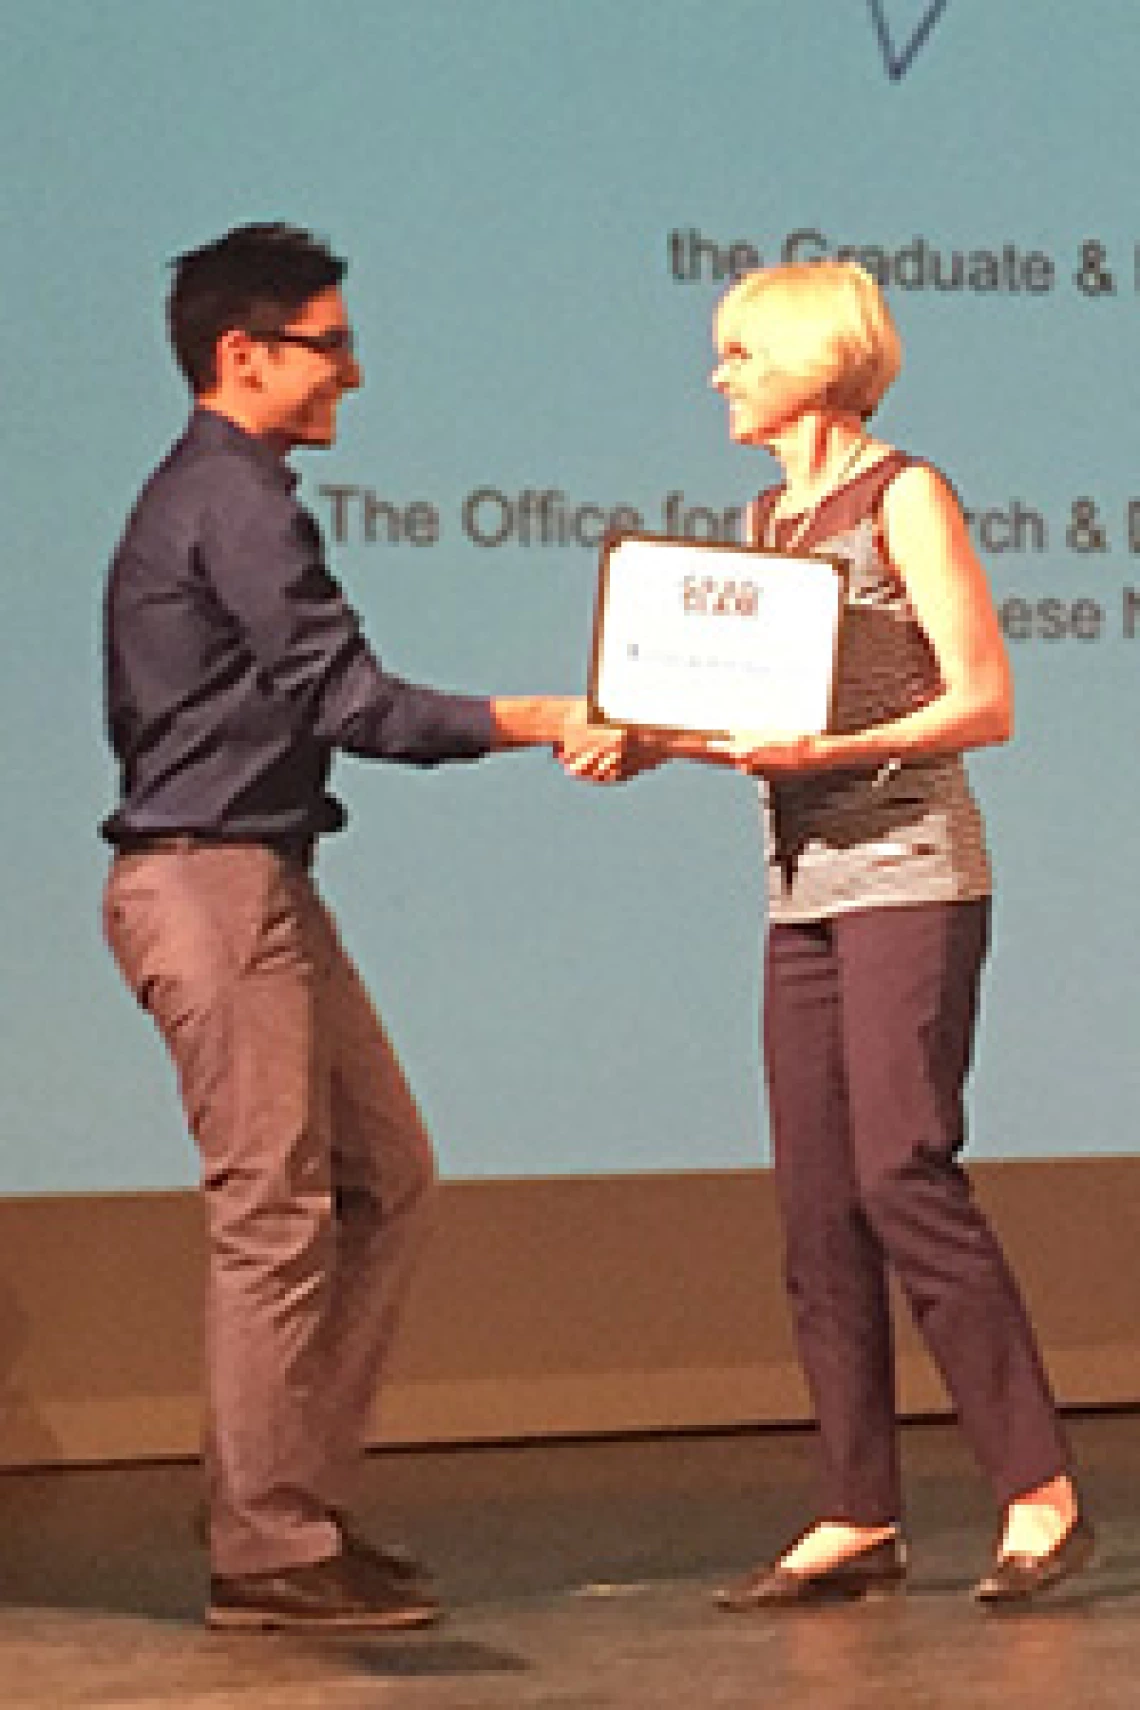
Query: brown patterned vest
891,835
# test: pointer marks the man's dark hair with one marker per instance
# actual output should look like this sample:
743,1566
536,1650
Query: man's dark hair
256,278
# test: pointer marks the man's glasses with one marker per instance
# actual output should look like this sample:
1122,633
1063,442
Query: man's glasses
337,342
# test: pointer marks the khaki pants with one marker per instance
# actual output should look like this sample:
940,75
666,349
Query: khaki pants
316,1169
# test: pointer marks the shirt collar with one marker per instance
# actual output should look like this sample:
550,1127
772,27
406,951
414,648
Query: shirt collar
208,427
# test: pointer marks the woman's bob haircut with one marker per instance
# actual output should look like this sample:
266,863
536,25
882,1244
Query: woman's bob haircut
825,322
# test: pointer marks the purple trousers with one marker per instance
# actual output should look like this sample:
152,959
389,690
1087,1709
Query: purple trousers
868,1025
316,1170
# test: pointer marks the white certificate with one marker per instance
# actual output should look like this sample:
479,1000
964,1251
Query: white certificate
711,639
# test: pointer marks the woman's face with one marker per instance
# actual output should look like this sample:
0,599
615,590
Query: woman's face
762,397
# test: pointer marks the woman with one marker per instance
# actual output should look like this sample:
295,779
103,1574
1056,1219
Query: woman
879,890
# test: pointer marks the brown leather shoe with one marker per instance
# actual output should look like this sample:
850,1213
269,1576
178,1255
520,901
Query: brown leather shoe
1020,1578
396,1560
874,1572
393,1558
342,1593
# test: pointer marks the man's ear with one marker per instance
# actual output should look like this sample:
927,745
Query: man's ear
238,358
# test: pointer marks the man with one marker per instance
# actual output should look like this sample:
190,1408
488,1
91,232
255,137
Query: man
234,670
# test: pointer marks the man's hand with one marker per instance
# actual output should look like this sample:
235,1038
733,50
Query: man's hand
602,753
594,751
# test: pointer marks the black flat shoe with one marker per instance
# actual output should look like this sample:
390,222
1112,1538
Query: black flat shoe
1019,1578
874,1572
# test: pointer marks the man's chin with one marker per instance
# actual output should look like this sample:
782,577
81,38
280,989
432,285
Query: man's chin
318,433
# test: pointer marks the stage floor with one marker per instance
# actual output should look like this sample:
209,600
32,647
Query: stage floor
577,1577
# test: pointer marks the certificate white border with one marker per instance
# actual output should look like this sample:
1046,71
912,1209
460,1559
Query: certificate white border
711,637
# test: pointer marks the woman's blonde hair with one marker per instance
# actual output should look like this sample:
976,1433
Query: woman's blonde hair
826,322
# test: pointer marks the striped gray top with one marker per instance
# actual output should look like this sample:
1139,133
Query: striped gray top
883,837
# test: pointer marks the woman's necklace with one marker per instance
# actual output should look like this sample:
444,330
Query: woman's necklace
810,515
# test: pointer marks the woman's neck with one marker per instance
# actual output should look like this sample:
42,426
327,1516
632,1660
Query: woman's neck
818,452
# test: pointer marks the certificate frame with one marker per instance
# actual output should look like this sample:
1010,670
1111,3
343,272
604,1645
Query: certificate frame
706,638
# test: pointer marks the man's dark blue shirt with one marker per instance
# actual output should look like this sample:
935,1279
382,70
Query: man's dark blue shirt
234,665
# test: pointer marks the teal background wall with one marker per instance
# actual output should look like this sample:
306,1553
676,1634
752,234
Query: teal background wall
520,185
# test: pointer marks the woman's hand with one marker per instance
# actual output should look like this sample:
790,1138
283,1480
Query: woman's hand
764,755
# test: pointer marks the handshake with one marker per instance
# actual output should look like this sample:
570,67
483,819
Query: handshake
605,753
612,754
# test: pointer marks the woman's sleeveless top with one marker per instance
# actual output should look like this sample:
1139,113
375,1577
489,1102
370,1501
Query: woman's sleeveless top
896,834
